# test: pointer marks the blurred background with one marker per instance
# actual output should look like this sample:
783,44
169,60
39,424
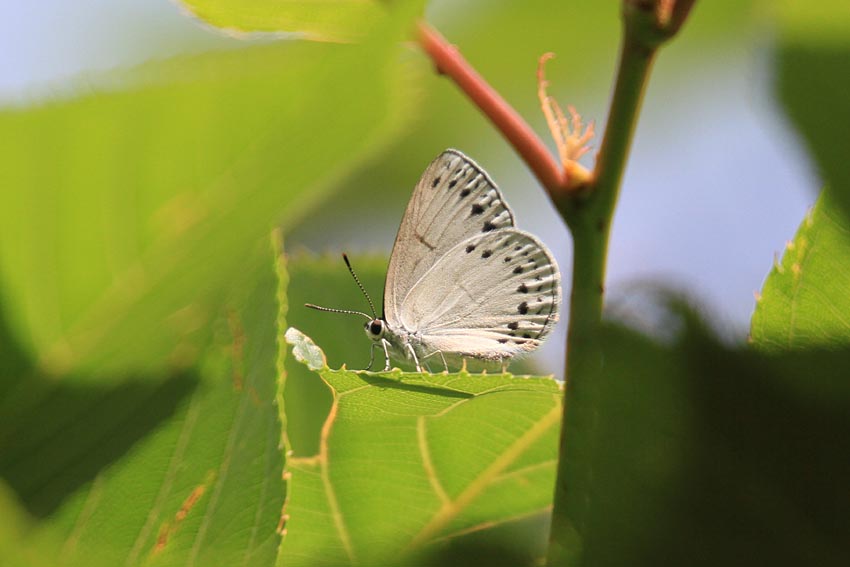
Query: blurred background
716,183
145,157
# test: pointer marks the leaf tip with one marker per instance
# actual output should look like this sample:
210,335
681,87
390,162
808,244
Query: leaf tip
305,350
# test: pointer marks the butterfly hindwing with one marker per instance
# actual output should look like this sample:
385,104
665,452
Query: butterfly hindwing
492,296
454,200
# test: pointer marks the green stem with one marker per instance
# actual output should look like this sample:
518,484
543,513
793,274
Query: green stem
589,220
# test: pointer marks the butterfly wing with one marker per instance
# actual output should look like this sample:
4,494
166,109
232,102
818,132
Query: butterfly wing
491,296
454,200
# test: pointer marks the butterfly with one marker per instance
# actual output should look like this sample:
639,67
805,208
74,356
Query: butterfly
462,281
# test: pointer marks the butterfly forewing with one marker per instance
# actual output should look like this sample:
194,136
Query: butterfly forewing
454,200
491,296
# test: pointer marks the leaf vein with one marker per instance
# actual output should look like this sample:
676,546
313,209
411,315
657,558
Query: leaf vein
333,504
452,508
427,463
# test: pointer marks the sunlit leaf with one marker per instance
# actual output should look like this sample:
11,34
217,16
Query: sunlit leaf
805,300
407,459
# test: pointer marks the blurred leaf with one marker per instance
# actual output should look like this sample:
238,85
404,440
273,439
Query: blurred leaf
58,435
324,20
162,470
124,215
814,83
409,459
822,23
18,547
704,455
805,300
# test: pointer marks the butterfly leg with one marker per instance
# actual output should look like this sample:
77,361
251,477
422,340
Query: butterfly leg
430,354
386,355
371,356
413,355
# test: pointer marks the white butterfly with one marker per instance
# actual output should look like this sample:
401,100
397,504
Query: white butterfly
462,280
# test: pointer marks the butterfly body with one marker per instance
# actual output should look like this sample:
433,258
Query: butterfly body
398,344
462,281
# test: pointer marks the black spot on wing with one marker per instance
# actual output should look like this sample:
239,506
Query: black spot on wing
522,288
513,326
470,248
488,226
503,341
487,254
465,192
522,308
476,210
518,270
435,182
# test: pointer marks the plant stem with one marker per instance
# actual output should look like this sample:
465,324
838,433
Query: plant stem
589,220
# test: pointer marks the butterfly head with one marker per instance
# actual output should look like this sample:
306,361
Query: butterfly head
375,329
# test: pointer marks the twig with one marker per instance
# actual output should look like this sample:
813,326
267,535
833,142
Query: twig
512,126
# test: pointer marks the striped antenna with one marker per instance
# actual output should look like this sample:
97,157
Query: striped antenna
360,285
348,311
332,310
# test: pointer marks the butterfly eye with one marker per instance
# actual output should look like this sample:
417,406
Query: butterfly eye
375,328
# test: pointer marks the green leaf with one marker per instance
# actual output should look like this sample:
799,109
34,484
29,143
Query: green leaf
804,301
179,469
708,455
118,252
19,546
814,83
407,459
323,20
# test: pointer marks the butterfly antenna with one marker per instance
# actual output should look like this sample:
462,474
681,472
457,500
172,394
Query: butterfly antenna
360,285
331,310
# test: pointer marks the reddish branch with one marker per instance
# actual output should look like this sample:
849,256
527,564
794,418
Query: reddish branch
512,126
